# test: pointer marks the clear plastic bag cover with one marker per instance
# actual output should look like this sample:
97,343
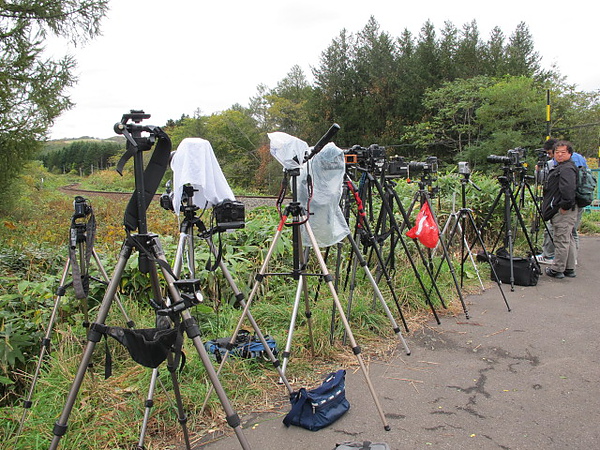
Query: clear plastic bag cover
326,220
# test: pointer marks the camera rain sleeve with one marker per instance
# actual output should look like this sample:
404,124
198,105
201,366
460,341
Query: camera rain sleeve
195,163
327,169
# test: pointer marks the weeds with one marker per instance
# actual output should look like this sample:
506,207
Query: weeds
108,413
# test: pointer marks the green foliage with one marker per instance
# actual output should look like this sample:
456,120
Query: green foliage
83,156
590,222
33,87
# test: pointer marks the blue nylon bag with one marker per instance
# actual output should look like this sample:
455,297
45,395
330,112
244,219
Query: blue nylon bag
319,407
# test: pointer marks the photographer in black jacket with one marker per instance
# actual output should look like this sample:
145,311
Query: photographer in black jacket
560,208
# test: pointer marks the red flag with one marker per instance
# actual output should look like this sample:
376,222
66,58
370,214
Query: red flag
425,229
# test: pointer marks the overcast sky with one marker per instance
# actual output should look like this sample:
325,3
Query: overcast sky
172,57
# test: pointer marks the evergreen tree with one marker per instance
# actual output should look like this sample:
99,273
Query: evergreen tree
33,87
469,55
522,58
493,54
448,50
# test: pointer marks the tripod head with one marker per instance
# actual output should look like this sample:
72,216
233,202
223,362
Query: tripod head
465,171
83,216
133,134
428,170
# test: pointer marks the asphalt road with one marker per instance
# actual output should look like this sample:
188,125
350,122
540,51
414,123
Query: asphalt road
524,379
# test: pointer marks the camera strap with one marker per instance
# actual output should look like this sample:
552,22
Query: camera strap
153,175
212,267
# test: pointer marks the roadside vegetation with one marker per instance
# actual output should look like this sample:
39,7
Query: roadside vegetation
33,250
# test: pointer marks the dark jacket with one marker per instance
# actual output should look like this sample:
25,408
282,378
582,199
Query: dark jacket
559,190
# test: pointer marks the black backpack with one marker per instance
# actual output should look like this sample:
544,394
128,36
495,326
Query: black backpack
586,185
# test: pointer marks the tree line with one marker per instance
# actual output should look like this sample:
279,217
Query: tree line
448,92
82,157
452,94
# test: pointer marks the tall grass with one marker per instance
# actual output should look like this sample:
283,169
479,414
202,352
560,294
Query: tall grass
108,412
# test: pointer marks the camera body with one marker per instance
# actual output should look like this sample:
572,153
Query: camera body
396,167
229,215
361,155
430,165
463,168
81,207
513,157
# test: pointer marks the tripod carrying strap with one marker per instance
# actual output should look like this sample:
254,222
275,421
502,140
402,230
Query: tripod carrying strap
153,175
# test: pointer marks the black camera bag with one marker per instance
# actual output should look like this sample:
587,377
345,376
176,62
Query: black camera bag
526,271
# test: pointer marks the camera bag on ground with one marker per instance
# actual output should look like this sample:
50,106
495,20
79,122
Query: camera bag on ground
365,445
319,407
246,346
526,271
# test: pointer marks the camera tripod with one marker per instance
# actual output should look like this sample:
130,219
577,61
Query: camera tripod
299,219
536,194
357,259
389,198
460,221
182,294
81,249
505,192
456,222
185,252
423,196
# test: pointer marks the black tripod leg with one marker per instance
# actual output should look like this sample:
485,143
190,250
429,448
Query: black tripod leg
449,262
524,228
350,297
378,294
181,415
400,229
396,228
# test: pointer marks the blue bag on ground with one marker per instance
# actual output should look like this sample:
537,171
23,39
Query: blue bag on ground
319,407
246,346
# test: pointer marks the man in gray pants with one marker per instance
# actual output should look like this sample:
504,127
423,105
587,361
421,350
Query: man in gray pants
547,255
560,208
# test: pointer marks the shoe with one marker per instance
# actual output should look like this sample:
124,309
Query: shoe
570,273
554,274
544,259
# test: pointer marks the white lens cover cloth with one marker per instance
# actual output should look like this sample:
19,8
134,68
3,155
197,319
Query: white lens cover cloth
195,163
287,149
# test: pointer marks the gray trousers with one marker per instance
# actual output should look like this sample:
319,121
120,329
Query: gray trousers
565,250
548,246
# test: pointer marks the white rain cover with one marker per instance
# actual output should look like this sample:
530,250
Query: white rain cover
195,163
327,170
287,149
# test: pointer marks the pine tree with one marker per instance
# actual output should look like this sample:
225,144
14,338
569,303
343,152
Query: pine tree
33,87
